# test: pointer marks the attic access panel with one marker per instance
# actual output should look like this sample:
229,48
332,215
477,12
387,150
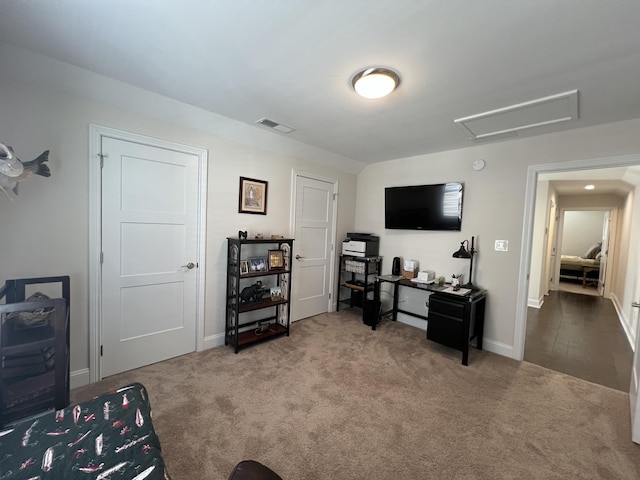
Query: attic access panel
562,107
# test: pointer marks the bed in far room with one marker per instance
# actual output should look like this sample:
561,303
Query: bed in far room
585,267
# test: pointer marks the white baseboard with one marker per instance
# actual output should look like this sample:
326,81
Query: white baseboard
487,344
413,321
82,377
532,302
79,378
623,321
213,341
499,348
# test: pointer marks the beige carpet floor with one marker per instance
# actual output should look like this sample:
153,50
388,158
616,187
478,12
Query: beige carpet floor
336,400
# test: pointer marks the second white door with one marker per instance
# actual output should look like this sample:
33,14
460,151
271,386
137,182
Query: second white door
314,234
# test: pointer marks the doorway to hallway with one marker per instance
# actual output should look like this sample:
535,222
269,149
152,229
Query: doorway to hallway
580,335
575,224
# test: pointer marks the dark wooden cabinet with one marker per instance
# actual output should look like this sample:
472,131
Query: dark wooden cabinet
253,315
455,320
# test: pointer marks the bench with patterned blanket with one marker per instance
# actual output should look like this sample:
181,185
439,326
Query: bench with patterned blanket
579,268
108,437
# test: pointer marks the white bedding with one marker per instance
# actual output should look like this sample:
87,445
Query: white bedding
576,261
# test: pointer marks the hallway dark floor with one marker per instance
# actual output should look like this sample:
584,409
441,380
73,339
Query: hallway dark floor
579,335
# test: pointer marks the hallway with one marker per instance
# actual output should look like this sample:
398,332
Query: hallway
579,335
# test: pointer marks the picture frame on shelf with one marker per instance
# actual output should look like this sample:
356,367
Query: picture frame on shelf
276,293
244,267
276,260
257,264
253,196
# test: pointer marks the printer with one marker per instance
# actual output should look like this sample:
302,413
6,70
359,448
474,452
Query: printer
361,245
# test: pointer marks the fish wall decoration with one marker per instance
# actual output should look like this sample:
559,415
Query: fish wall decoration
13,170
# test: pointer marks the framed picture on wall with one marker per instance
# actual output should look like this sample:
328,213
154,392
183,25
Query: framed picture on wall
253,196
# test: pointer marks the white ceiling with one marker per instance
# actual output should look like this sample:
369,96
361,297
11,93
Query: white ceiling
601,187
291,61
606,181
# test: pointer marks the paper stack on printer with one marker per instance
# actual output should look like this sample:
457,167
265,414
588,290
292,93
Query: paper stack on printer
425,276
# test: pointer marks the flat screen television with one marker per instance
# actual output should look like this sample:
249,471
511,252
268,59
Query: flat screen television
424,207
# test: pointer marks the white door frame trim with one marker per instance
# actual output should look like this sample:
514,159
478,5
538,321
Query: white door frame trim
96,132
295,174
527,230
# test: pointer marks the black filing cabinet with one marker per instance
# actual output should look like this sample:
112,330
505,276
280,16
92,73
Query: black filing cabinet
456,320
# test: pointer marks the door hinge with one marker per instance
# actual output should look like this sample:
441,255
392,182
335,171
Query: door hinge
335,196
102,157
101,350
329,295
101,258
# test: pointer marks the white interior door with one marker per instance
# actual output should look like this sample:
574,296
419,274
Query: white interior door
314,234
149,245
604,251
634,398
550,259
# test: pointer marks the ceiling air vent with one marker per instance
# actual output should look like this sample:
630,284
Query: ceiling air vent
275,125
507,121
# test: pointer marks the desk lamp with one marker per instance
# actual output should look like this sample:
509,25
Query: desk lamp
464,253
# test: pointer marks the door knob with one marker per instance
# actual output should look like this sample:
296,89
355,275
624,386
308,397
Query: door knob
189,265
635,304
298,257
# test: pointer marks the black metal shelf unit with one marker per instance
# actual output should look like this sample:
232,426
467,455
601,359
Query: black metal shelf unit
34,349
251,320
356,276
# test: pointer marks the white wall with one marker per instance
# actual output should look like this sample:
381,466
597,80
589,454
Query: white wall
581,229
493,208
45,230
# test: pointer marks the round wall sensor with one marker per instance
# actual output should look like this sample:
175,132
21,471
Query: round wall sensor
478,164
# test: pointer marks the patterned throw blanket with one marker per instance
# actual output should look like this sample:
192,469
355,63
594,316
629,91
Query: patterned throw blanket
109,437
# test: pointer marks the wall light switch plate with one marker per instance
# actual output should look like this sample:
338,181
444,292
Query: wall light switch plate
502,245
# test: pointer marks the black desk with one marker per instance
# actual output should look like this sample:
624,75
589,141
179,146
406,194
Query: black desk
453,320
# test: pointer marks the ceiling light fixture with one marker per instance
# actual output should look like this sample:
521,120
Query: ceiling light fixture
375,82
589,187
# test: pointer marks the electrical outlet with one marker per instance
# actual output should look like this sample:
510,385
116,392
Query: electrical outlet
502,245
